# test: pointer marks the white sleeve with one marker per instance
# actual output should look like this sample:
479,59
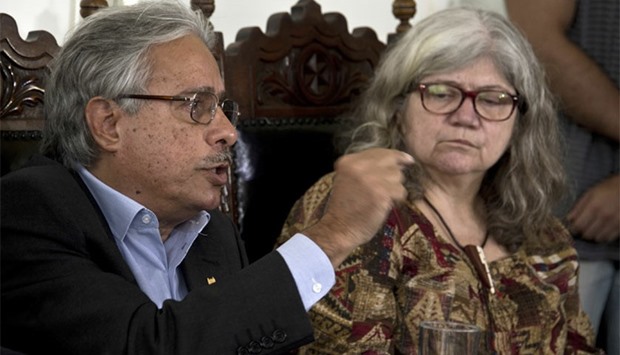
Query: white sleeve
311,268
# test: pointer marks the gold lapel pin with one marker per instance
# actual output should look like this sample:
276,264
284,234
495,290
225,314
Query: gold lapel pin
210,280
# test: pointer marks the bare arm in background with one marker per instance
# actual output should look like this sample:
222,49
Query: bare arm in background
586,94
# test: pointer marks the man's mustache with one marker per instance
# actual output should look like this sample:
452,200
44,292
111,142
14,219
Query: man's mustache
224,156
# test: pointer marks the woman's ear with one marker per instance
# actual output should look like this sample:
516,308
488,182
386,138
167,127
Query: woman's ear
102,117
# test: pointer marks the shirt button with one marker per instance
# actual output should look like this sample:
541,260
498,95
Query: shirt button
317,287
146,219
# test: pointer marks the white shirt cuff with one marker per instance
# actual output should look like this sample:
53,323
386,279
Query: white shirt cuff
311,268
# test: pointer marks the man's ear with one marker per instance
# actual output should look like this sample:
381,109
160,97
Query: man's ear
102,117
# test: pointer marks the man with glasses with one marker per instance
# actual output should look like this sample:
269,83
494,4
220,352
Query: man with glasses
112,242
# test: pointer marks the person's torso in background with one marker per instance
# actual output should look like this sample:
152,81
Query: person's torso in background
590,158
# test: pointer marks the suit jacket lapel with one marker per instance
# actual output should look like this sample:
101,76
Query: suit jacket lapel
214,254
108,254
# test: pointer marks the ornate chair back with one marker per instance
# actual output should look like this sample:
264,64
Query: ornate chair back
291,83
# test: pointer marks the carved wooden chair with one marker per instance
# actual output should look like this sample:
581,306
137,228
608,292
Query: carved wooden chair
292,82
23,70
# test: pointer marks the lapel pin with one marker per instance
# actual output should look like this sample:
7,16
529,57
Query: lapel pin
210,280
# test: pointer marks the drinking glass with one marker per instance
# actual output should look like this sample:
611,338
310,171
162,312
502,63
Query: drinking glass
448,338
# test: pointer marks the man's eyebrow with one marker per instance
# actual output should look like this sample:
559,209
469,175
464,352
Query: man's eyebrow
221,95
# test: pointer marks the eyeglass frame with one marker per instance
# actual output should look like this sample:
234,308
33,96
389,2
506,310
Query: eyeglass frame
517,100
192,101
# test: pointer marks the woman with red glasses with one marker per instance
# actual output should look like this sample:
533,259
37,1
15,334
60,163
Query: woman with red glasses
476,241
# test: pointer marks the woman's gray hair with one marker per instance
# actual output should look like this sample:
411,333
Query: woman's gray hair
520,189
107,55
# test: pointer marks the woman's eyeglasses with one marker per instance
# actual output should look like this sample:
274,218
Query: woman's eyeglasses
493,105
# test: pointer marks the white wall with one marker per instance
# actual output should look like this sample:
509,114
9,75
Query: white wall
58,16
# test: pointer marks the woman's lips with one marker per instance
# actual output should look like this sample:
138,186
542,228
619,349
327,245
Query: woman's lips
460,142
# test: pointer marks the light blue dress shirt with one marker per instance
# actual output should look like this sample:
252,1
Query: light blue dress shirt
155,264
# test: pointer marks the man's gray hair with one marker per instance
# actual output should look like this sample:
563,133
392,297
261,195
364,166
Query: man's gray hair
107,55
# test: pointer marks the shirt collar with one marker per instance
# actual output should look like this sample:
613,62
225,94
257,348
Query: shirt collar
120,210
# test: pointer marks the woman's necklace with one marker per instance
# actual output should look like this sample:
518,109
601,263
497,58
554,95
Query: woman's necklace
486,236
475,253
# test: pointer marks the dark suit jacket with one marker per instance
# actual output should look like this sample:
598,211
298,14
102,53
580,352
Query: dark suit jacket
67,290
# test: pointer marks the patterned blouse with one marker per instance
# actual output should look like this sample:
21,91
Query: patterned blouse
410,273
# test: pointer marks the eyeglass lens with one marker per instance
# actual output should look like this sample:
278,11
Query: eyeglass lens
204,108
231,110
490,104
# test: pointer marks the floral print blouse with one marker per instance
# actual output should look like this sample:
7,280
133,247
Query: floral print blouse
410,272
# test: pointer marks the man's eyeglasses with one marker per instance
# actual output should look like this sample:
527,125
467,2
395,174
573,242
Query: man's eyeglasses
492,105
203,105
